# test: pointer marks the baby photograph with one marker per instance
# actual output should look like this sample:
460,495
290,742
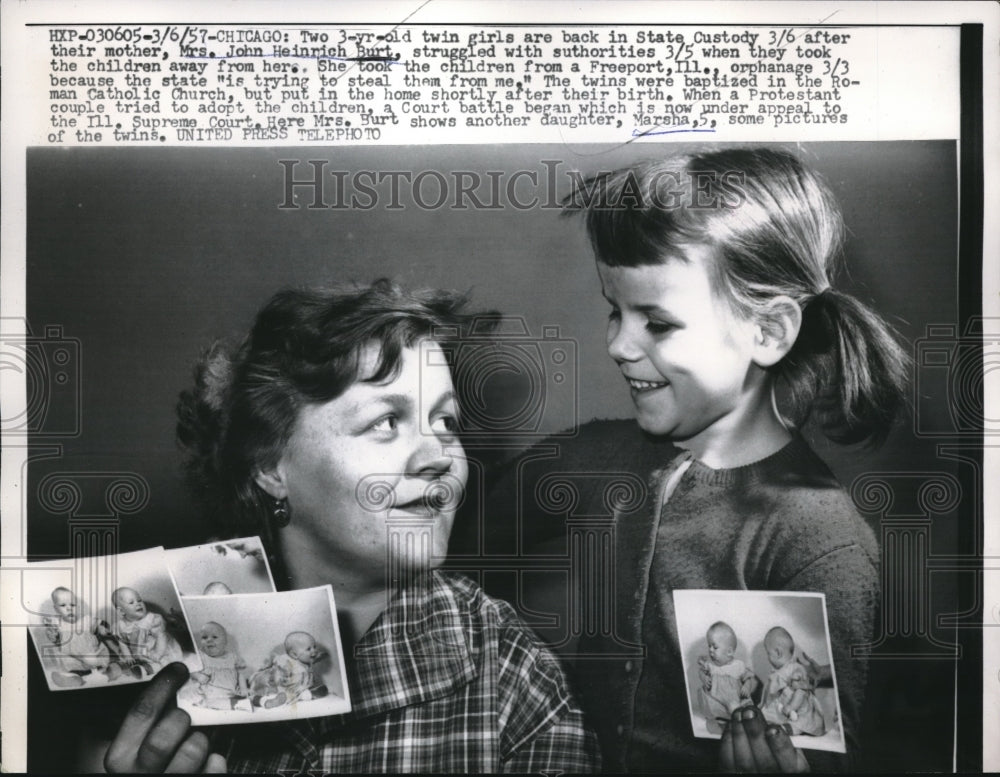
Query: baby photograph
264,657
218,568
106,619
763,649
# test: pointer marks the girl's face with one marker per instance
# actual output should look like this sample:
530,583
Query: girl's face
686,358
363,466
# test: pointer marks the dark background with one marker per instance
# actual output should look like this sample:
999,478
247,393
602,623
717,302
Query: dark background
144,256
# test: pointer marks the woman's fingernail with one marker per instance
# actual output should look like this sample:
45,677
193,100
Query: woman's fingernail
771,731
747,714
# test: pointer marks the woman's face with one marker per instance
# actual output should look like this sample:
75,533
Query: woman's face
373,477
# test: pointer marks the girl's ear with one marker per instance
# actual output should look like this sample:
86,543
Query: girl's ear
272,480
777,328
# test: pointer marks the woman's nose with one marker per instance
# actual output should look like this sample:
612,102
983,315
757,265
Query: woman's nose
431,458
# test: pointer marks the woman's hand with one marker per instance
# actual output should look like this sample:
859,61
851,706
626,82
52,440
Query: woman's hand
749,744
155,736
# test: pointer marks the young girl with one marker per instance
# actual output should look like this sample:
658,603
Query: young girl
718,270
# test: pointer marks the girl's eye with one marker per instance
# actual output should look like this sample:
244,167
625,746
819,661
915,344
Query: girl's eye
658,327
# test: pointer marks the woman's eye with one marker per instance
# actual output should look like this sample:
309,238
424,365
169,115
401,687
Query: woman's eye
385,424
447,424
614,314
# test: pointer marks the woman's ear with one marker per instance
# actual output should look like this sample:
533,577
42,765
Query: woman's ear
777,328
272,480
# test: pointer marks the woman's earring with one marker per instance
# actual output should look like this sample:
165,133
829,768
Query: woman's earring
282,517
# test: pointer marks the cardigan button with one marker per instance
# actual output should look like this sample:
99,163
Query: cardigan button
620,729
629,666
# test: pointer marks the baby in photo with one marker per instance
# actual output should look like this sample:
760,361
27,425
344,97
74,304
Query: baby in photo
789,697
726,682
222,682
142,631
288,677
76,647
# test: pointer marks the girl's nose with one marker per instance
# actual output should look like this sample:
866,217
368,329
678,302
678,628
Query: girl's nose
621,343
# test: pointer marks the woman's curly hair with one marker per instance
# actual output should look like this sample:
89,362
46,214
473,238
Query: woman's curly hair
304,347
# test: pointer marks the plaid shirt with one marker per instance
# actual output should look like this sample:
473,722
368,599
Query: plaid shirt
446,680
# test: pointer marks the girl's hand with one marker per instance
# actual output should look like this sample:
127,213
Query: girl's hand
750,745
155,736
820,675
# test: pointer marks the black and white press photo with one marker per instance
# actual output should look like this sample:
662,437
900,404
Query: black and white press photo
526,388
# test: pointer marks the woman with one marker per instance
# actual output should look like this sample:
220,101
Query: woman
332,431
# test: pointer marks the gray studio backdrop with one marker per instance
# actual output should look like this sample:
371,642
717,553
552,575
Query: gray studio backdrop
144,256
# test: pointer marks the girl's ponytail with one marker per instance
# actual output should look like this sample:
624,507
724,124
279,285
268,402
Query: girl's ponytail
847,369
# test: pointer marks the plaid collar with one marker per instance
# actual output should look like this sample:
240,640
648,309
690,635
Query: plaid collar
418,650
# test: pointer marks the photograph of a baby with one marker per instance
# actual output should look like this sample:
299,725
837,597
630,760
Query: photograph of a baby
770,650
226,567
80,651
122,635
726,682
288,677
222,682
274,656
789,697
143,632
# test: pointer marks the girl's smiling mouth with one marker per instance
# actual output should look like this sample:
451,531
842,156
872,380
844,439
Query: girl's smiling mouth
645,385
